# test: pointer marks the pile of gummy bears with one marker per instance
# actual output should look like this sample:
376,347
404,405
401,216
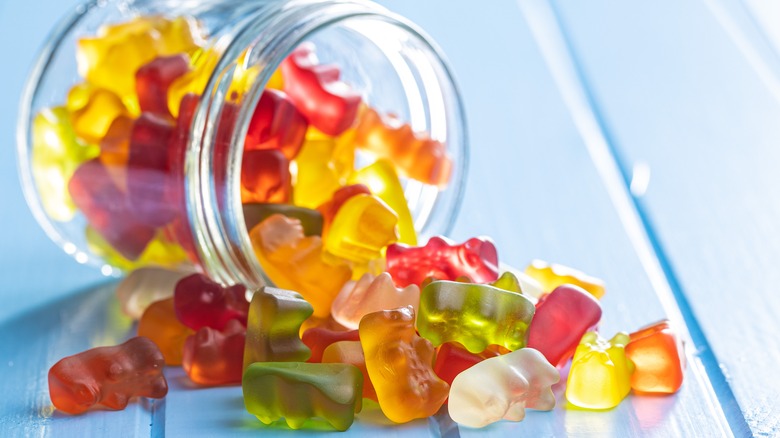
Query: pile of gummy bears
359,309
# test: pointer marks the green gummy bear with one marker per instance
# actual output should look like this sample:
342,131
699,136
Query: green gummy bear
300,391
508,281
476,315
256,212
273,326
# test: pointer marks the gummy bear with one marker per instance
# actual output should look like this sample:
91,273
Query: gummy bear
160,251
311,220
108,376
509,282
159,324
213,357
328,103
553,275
362,228
657,353
416,156
452,359
115,149
442,259
111,59
502,387
144,286
319,338
340,196
202,64
351,352
371,294
265,176
600,373
295,262
93,110
275,318
399,363
108,210
300,391
151,186
55,155
316,179
382,179
562,318
153,79
276,124
475,315
201,302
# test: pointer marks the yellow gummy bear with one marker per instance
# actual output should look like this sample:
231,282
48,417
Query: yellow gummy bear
159,252
55,155
361,229
111,59
382,179
322,167
202,64
551,275
600,374
93,110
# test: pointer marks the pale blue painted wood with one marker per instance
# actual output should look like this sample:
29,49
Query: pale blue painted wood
532,187
700,108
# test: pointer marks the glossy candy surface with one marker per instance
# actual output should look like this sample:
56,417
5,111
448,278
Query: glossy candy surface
319,338
600,373
371,294
311,220
502,387
562,318
331,207
108,376
275,318
201,302
416,155
108,209
295,262
442,259
452,359
144,286
657,353
382,179
351,352
214,357
276,124
301,391
474,315
361,229
399,363
55,155
265,176
153,80
322,167
159,324
551,275
328,103
93,110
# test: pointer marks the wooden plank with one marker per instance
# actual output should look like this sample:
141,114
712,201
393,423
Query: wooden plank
697,105
532,186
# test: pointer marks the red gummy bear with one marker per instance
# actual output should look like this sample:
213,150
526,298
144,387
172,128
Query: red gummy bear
213,357
265,177
109,376
319,338
561,318
108,209
329,104
153,79
276,124
200,302
452,360
442,259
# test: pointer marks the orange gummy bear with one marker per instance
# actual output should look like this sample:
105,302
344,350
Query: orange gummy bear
159,324
658,355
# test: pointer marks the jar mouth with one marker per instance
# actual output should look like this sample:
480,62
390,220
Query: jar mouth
416,85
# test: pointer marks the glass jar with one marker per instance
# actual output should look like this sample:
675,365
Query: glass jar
197,216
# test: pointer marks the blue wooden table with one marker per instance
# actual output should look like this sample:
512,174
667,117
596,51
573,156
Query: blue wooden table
639,142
